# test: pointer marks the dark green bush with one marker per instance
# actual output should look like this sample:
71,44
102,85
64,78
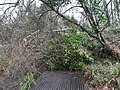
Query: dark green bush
65,51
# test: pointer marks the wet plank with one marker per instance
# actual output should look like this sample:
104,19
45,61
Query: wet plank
59,81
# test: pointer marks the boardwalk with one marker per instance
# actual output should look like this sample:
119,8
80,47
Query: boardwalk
59,81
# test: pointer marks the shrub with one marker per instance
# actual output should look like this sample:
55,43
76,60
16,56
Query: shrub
66,51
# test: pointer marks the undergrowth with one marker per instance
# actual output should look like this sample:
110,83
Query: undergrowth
71,51
66,51
28,81
75,51
100,76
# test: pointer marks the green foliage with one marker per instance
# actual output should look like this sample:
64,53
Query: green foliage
99,52
98,8
112,33
102,75
28,81
65,65
67,52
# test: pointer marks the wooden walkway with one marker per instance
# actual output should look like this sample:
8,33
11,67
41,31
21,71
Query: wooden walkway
59,81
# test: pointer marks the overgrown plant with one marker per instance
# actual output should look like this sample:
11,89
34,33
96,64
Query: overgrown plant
67,52
102,76
28,81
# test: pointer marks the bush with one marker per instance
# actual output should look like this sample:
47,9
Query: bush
66,51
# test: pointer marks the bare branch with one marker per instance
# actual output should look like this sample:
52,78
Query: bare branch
41,16
70,9
7,3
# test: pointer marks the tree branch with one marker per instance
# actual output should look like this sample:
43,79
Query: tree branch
70,9
57,12
7,3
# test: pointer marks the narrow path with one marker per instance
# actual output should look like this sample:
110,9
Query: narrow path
59,81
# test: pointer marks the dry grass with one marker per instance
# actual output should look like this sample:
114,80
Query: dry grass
14,65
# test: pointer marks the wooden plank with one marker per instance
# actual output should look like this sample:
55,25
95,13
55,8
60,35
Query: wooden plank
59,81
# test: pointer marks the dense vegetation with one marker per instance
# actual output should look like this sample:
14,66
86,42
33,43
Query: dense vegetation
36,36
70,51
